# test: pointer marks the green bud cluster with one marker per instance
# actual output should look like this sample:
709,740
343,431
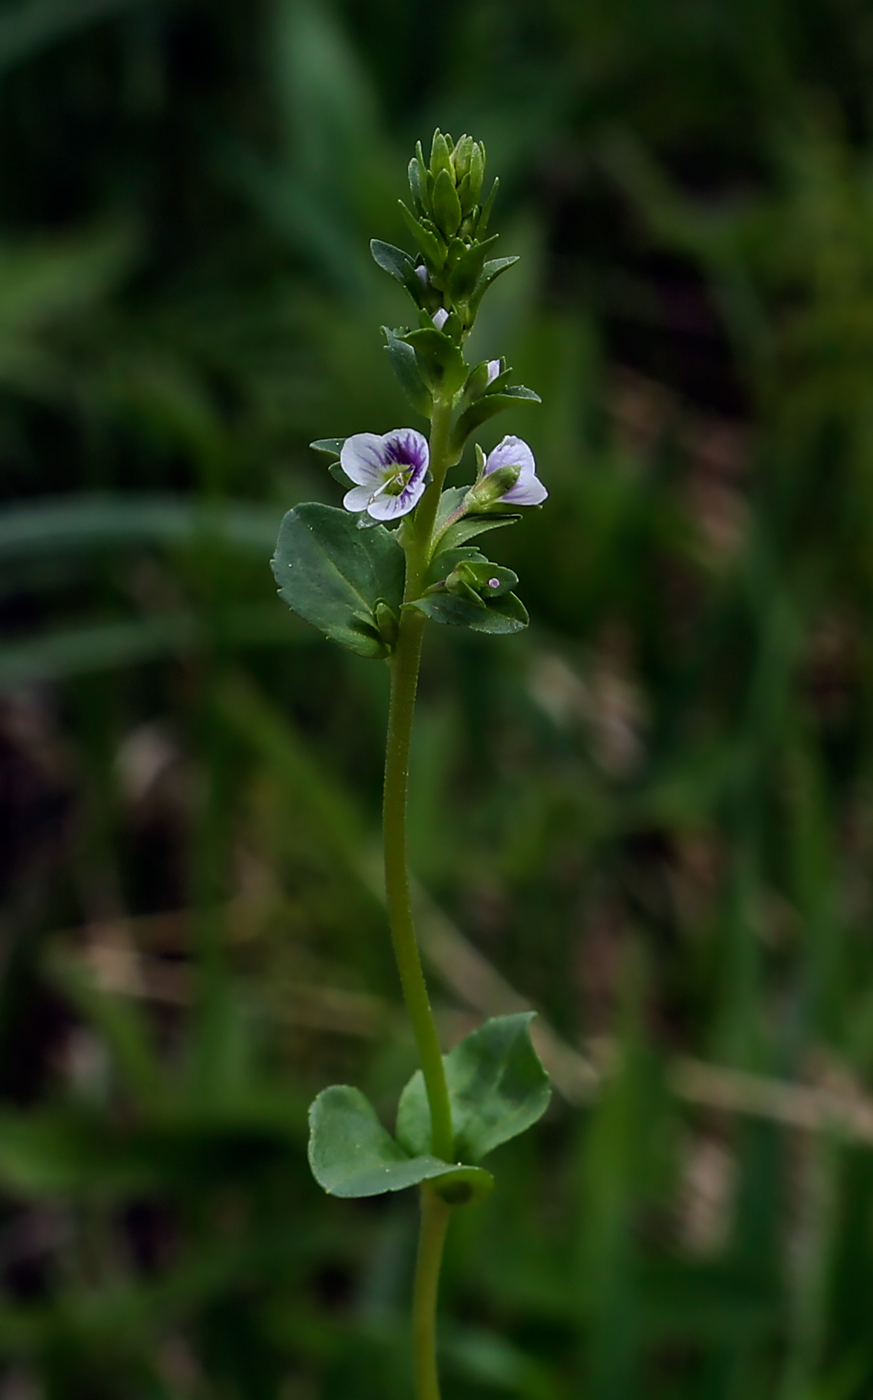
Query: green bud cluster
446,192
446,279
449,223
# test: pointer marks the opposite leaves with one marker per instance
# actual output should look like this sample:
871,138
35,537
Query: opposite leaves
352,1155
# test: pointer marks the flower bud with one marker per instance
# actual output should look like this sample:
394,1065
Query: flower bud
446,205
488,492
440,157
461,157
477,171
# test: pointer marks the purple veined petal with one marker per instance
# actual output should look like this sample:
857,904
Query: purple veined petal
440,317
405,447
363,459
386,507
493,370
358,498
528,490
511,452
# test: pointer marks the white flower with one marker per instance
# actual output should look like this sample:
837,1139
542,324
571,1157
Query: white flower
528,490
390,472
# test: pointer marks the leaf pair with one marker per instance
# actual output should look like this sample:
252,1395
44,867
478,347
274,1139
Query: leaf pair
497,1089
348,581
467,590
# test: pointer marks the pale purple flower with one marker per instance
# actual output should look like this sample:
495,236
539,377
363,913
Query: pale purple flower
440,317
493,370
390,472
528,490
421,274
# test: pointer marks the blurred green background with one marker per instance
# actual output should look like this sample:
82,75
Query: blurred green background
651,816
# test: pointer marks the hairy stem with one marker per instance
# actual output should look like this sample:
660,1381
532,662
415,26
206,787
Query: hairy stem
404,684
435,1214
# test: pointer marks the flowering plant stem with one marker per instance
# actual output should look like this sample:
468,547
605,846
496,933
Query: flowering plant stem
404,684
435,1214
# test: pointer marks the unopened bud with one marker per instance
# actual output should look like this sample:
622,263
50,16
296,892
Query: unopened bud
440,156
461,157
489,490
477,170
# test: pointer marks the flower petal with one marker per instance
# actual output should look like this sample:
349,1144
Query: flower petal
511,452
358,498
363,458
406,447
440,317
493,370
528,491
385,507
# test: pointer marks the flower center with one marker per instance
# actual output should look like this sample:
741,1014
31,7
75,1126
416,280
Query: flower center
397,483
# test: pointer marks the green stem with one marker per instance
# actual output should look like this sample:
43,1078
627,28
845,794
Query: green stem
435,1214
404,684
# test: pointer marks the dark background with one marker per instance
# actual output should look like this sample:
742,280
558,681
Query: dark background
651,815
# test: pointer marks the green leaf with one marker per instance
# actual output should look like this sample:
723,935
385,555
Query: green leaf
445,560
336,471
351,1154
468,527
428,242
333,575
417,181
440,362
391,259
489,273
485,408
446,205
465,271
405,366
485,211
440,155
331,447
497,1088
500,617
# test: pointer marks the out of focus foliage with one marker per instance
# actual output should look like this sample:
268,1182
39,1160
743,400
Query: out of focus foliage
653,814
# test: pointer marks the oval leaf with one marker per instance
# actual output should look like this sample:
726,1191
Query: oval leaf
500,617
333,575
405,366
497,1089
485,408
351,1154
